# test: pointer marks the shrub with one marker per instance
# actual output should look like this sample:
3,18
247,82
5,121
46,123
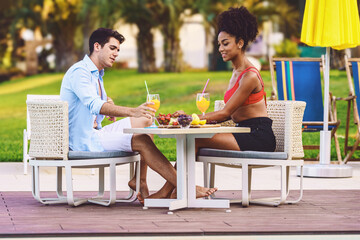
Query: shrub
8,73
287,48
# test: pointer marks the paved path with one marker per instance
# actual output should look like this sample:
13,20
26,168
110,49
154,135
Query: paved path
13,179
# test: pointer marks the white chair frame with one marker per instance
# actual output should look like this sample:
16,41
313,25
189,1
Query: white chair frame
287,121
49,146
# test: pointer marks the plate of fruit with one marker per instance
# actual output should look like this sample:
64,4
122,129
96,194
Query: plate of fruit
167,121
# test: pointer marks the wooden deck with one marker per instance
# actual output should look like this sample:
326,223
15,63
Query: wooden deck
320,212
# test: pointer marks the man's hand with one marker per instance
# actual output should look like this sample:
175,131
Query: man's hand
144,111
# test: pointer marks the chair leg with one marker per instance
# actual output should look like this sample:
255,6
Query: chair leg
337,145
287,180
25,151
349,155
301,188
284,182
132,193
245,185
35,182
206,174
59,190
101,182
249,182
131,175
212,175
112,170
69,189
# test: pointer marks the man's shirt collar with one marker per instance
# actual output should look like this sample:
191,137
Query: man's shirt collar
92,67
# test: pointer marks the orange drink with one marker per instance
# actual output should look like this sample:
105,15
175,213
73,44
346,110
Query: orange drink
155,98
156,104
203,102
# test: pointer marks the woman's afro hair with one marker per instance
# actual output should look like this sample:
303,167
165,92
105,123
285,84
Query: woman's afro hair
240,23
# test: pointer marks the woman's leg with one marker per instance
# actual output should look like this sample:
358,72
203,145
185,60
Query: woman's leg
225,141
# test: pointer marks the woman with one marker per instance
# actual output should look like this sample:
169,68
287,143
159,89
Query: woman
245,97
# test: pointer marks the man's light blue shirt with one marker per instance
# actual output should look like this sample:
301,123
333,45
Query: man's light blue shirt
80,88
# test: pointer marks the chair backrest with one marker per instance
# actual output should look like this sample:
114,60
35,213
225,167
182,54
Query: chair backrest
299,79
287,117
31,97
49,126
354,82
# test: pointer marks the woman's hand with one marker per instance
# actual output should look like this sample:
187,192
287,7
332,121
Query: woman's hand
177,113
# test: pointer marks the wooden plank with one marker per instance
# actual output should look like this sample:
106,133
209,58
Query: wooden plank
320,211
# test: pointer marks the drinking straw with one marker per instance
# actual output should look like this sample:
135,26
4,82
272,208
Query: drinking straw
147,88
205,87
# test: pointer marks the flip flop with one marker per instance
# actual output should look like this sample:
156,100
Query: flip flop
140,198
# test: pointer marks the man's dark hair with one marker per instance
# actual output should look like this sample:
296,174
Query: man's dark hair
102,36
240,23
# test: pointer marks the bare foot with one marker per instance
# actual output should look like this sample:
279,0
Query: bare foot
144,191
140,198
200,192
204,192
173,194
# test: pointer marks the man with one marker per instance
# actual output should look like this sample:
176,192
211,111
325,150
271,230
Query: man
82,87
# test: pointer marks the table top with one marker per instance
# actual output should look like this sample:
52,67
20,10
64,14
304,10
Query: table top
161,131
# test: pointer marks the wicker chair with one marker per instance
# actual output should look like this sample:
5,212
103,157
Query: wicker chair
287,120
49,146
27,131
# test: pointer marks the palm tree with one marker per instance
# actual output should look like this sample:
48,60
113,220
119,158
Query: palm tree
55,17
170,15
141,13
106,13
210,9
278,11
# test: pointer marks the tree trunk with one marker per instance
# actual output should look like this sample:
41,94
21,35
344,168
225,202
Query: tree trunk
65,54
215,54
145,49
173,53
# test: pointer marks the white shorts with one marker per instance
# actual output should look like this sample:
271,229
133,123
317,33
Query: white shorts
112,137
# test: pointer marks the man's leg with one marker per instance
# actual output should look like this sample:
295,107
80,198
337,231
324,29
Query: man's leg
144,191
218,141
152,156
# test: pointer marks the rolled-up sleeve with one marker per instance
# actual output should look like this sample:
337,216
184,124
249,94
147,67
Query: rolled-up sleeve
86,90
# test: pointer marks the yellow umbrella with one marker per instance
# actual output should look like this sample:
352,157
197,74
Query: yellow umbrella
329,23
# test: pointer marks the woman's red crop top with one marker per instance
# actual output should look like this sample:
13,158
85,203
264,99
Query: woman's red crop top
253,97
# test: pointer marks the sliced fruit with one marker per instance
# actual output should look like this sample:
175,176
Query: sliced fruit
202,122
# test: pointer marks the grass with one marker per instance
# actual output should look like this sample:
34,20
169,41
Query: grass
126,87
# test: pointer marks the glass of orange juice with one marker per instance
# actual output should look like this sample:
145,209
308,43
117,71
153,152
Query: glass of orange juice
155,98
203,102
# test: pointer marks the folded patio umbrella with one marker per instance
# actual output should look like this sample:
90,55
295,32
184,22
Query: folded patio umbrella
330,23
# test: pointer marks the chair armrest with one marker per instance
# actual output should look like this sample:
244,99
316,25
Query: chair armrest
349,98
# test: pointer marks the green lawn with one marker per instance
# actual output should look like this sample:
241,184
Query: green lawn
126,87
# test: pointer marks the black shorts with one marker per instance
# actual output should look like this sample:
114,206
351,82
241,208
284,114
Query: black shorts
261,137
